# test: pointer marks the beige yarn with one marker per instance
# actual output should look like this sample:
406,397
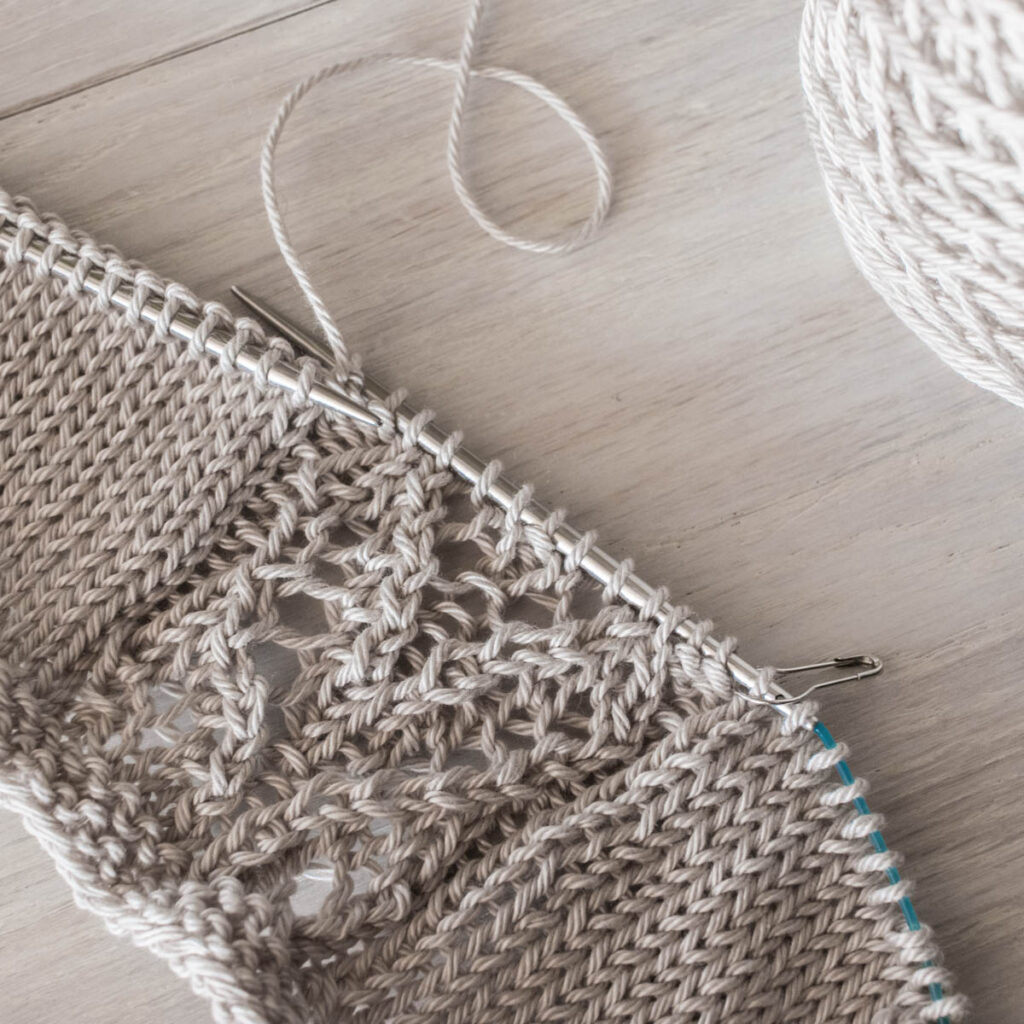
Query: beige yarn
242,643
916,111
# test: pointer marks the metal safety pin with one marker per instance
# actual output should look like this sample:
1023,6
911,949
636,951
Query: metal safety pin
330,395
869,663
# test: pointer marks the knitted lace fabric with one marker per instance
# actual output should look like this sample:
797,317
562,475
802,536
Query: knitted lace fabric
295,708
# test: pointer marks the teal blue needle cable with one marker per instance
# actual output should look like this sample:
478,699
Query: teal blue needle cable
878,842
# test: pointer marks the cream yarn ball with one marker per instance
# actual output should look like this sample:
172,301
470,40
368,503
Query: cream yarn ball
917,117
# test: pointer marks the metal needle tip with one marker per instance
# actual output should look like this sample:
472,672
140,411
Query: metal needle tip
310,346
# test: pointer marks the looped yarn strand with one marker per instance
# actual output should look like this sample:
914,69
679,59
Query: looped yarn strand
464,70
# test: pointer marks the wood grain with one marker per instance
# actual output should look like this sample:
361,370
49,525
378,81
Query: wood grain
51,51
710,383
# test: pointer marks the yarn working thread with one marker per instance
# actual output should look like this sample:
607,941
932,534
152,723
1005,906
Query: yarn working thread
464,70
916,110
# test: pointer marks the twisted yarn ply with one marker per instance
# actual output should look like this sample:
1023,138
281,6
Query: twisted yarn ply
917,116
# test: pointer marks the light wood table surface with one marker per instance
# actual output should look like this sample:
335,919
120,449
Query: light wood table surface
710,383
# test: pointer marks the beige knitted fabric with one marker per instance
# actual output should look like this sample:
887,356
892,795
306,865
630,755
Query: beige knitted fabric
246,647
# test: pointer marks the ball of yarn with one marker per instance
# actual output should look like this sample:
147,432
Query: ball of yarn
917,116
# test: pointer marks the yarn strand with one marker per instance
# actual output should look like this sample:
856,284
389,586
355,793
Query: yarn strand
464,70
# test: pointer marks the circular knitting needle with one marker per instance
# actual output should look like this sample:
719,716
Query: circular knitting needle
598,564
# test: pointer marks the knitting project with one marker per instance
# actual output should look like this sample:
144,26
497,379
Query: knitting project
295,708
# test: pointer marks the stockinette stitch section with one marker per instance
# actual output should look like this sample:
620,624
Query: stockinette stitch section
294,707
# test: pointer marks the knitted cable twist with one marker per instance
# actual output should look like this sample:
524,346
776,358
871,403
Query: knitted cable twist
917,115
308,717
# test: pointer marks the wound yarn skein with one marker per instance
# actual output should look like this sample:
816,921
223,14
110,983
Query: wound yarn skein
916,110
